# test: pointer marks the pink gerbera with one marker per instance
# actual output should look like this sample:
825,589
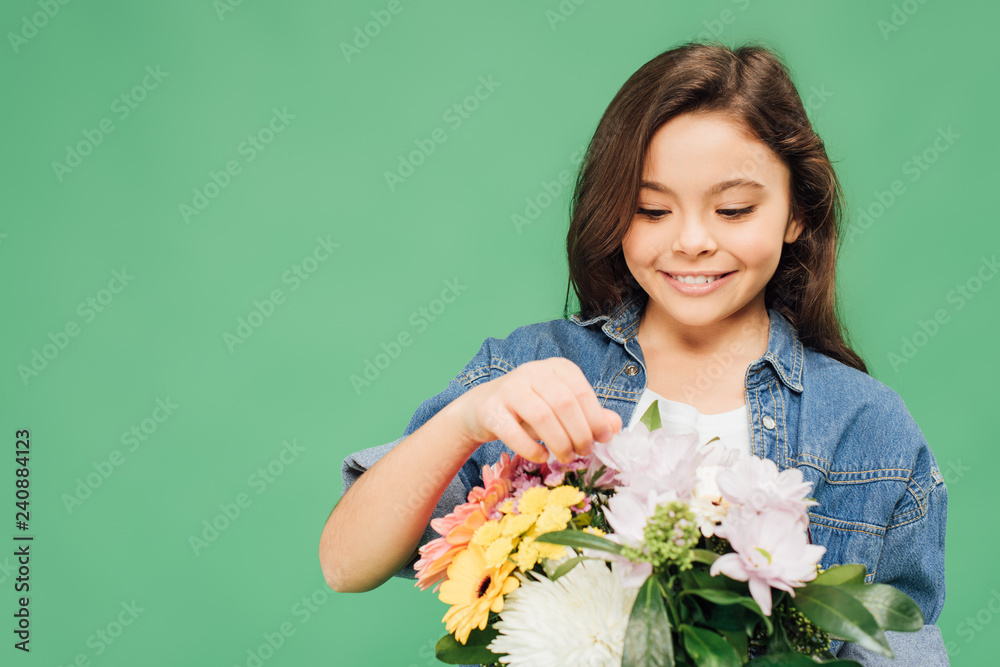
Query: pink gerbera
456,529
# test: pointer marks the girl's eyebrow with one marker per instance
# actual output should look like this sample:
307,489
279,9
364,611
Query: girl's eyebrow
714,190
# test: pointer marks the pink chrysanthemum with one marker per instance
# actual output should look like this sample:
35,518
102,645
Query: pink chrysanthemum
772,551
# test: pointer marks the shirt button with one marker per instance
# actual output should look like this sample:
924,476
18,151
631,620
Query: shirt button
768,422
631,369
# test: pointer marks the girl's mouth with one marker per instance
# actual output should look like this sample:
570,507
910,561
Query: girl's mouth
698,284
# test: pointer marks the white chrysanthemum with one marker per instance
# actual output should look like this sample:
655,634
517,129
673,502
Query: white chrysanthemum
579,619
707,501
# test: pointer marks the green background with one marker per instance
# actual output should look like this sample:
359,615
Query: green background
885,96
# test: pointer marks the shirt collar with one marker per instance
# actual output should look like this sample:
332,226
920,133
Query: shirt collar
784,349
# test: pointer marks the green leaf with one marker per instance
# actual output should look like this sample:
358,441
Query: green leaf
596,476
708,648
474,651
706,580
651,417
566,566
777,641
892,608
841,574
721,581
718,595
736,638
727,617
704,556
841,615
579,540
794,660
648,642
725,597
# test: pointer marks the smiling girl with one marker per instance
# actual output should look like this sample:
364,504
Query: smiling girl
703,249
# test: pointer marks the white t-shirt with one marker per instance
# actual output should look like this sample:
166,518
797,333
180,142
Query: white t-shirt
732,427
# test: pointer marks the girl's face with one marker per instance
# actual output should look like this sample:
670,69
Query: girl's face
713,202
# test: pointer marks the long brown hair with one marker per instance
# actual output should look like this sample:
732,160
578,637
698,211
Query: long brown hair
751,85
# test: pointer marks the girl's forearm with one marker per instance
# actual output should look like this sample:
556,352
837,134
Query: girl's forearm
375,528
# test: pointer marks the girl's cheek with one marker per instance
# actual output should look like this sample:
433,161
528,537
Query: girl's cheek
753,245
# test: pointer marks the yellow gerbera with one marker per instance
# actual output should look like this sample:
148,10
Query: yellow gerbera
474,590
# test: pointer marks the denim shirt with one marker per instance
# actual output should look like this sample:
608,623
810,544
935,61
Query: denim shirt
882,500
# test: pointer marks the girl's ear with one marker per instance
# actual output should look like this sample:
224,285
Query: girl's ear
793,229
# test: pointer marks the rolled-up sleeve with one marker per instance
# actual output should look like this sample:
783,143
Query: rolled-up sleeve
913,649
354,465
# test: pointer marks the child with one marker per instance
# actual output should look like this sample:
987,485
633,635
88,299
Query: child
702,248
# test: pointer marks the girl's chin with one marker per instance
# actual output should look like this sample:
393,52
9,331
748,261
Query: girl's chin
693,314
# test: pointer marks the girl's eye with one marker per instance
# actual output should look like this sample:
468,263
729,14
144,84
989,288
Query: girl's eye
651,214
728,213
736,213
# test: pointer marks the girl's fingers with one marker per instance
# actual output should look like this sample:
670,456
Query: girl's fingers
549,400
614,422
597,422
534,410
573,434
506,426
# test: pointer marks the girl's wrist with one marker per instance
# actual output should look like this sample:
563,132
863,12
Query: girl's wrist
453,418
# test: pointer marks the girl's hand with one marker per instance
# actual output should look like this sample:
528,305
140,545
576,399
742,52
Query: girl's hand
546,399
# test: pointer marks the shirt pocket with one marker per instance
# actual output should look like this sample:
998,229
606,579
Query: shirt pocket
846,541
855,508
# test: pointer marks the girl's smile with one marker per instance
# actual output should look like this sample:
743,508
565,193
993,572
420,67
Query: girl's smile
697,283
713,215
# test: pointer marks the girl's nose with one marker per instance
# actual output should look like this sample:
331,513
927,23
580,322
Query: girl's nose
693,235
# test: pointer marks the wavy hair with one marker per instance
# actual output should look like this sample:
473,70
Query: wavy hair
752,86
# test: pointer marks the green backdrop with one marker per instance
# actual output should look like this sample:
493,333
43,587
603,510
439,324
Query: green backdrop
200,247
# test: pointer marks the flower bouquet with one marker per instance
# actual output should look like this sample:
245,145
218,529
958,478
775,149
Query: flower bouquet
653,550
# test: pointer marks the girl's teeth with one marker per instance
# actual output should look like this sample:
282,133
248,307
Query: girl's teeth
695,280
